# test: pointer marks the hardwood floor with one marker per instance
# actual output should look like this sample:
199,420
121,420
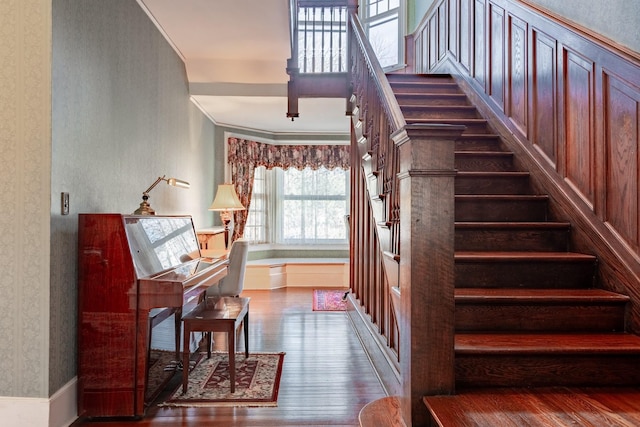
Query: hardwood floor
326,379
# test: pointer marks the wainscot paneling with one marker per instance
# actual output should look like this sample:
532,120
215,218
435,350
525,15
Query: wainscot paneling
543,110
579,124
496,60
567,102
517,83
622,139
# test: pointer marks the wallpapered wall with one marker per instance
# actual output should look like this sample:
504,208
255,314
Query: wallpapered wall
25,156
121,117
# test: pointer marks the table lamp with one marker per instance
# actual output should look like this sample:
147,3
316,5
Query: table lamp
145,207
226,200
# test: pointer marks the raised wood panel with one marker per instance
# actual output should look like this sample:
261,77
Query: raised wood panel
579,167
433,41
496,70
453,28
517,74
622,143
479,45
466,8
543,94
442,30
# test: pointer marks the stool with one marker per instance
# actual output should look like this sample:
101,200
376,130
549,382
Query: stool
208,318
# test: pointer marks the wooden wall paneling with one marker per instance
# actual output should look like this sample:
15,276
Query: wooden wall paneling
465,33
517,81
543,111
496,65
622,153
442,30
579,138
479,44
433,40
453,28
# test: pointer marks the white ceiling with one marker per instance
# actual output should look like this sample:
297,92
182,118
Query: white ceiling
235,53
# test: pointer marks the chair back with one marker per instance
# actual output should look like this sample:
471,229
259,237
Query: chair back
233,283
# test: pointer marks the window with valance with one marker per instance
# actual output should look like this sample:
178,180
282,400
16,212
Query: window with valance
244,156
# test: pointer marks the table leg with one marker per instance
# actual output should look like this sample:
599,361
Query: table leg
232,358
246,334
178,324
185,357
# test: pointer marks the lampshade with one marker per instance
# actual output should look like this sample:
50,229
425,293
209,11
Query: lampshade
226,199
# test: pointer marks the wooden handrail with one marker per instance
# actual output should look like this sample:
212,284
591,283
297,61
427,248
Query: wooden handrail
387,98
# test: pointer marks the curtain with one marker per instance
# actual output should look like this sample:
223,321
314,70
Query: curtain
245,155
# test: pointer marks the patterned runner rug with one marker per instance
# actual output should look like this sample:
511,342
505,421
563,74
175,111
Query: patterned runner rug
257,381
330,299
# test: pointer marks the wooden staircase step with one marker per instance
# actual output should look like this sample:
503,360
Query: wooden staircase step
473,126
546,359
536,270
616,343
498,207
421,111
478,142
492,182
512,236
488,161
558,310
537,407
410,99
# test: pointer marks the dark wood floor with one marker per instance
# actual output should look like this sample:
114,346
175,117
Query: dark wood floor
326,379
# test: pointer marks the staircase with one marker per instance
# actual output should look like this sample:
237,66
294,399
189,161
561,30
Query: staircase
528,310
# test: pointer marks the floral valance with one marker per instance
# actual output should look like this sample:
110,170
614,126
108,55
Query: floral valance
246,152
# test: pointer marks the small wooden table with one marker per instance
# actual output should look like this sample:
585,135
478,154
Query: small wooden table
207,318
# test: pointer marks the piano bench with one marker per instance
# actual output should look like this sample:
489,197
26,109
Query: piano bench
226,316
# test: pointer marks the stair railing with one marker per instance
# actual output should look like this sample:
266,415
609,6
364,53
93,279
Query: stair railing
402,230
376,116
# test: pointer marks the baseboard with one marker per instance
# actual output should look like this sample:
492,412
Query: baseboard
60,410
385,368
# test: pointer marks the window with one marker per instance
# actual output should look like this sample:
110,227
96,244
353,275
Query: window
299,206
381,20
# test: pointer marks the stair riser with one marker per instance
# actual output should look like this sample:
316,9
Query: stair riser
415,112
539,317
547,370
500,210
412,88
478,144
538,240
492,185
471,127
484,163
432,99
523,274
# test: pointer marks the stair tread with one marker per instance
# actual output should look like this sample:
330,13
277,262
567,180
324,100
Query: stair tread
502,196
502,295
483,153
511,225
521,255
540,406
545,343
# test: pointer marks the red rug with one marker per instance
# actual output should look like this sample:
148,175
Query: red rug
329,299
257,382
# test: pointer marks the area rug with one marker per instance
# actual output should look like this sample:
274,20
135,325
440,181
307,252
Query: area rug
329,299
257,381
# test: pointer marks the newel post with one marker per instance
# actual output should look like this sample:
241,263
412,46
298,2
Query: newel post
426,320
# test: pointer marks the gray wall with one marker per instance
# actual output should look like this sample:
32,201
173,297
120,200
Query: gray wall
617,20
121,117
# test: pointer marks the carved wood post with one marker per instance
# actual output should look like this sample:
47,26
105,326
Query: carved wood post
426,264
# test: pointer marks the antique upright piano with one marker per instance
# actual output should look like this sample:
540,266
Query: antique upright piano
131,269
